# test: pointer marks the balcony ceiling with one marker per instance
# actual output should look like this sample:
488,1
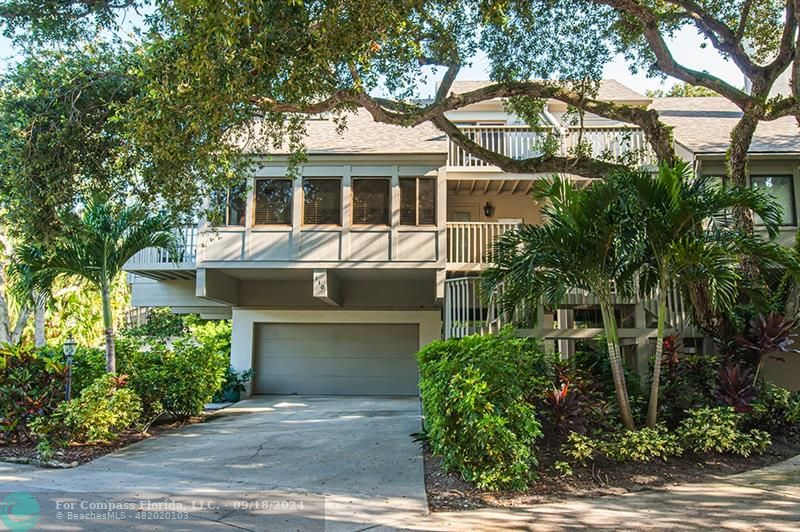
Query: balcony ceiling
489,187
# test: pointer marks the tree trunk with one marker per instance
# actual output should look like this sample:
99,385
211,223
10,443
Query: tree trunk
108,325
737,167
617,368
741,137
39,311
652,407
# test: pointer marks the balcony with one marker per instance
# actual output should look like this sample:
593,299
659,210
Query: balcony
610,143
469,243
158,264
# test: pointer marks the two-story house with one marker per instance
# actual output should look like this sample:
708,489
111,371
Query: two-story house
334,279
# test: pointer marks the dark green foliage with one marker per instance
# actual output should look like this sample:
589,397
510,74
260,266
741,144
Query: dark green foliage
477,417
61,137
718,430
234,381
88,365
687,382
31,386
594,365
161,324
101,412
776,410
178,380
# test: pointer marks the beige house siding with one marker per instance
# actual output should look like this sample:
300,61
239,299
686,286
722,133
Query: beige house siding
297,244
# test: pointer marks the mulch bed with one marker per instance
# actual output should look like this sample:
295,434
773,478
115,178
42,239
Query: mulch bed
77,454
449,492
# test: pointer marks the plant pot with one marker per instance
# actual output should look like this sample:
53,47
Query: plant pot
231,396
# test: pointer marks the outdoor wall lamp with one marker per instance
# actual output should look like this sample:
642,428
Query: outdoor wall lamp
488,209
69,352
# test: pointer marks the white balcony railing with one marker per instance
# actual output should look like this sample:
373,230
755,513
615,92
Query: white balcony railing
470,243
609,143
187,251
511,141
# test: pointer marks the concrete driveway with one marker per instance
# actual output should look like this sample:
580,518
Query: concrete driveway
268,463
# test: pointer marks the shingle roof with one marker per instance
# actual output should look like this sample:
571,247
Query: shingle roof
364,135
704,125
609,90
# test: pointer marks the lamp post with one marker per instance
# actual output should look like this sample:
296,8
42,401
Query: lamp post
69,352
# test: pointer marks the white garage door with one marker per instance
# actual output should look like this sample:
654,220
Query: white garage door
336,358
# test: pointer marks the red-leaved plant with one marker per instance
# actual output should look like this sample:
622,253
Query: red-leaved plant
735,387
567,409
768,334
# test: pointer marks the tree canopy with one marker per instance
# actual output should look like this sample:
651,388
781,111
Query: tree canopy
218,78
683,90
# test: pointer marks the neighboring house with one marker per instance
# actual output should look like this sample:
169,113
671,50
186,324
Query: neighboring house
334,280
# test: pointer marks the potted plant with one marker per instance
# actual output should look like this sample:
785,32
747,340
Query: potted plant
234,384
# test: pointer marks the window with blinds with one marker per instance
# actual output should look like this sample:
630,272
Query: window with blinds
418,201
371,201
273,205
322,201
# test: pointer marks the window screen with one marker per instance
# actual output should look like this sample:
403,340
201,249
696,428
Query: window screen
322,199
273,202
371,200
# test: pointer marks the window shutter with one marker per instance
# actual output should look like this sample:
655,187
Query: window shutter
371,201
273,202
322,201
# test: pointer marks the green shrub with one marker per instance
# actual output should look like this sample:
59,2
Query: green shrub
88,365
579,448
476,414
161,324
178,380
687,382
214,335
776,410
642,445
623,446
31,385
103,410
717,430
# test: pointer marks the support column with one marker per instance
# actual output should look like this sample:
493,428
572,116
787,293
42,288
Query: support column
544,320
328,287
566,320
642,343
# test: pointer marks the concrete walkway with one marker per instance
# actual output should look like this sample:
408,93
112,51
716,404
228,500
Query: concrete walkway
325,463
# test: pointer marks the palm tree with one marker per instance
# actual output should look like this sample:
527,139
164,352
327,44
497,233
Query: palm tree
105,237
32,291
581,245
684,222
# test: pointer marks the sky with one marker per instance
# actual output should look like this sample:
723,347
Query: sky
686,47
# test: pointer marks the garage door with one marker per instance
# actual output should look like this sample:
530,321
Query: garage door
336,358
